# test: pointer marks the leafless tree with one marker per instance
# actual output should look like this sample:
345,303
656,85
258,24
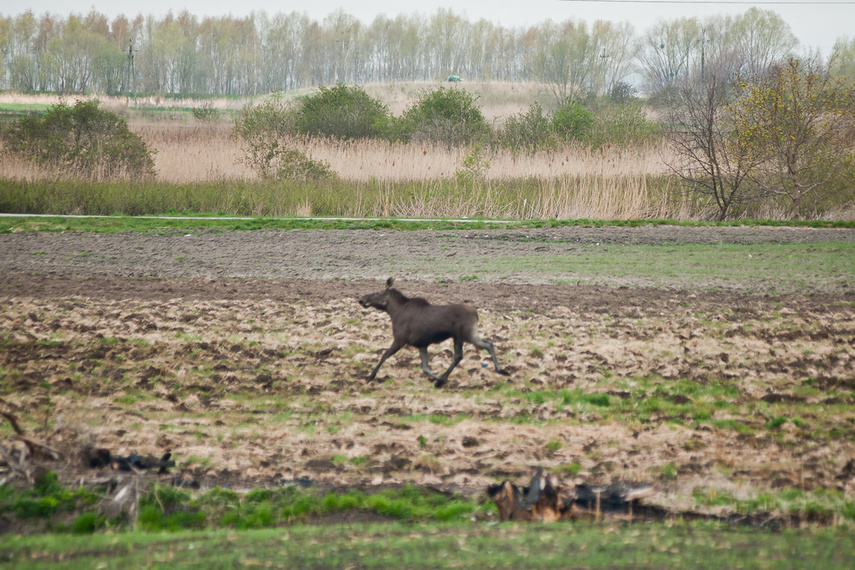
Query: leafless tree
701,138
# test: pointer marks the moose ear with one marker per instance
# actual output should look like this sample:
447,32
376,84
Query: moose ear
389,282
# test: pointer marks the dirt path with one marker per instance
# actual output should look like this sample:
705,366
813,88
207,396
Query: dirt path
244,353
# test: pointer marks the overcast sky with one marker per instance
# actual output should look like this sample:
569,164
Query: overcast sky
817,24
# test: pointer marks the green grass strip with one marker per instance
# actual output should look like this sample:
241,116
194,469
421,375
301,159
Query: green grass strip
444,545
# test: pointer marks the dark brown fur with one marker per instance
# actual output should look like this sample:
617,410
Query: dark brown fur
415,322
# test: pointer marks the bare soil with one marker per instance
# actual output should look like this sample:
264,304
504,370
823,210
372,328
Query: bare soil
245,353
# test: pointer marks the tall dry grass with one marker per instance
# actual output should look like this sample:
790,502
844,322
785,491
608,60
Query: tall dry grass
195,151
120,104
379,178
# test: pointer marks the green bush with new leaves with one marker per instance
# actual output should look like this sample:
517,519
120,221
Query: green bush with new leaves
530,131
572,121
82,141
446,115
795,128
265,133
341,112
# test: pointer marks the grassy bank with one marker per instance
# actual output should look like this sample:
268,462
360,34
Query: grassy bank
191,220
444,546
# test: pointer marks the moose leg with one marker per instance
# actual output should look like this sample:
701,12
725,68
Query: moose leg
425,358
389,352
487,345
458,356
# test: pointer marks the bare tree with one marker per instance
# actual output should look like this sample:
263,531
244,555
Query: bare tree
565,59
762,38
665,52
842,61
705,156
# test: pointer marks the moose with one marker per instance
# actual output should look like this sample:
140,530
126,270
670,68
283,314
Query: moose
415,322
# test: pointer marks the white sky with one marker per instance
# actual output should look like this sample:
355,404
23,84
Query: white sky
817,25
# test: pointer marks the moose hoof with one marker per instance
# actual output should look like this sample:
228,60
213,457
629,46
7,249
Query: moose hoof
440,382
503,372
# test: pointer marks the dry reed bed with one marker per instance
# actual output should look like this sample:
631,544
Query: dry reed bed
200,152
191,152
570,182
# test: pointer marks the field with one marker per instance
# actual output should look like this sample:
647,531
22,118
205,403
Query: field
716,363
694,358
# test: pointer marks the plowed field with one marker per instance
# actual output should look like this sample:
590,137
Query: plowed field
245,355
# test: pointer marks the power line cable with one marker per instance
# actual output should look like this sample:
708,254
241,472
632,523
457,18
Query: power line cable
723,2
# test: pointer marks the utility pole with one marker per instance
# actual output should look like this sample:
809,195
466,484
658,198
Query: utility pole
131,74
604,56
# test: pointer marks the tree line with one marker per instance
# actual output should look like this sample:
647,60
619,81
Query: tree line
182,54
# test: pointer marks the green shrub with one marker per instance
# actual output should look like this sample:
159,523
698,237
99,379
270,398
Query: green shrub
776,422
205,113
265,133
168,508
83,141
164,497
445,115
46,498
47,484
622,125
572,121
453,511
342,112
527,132
87,523
153,519
473,166
622,92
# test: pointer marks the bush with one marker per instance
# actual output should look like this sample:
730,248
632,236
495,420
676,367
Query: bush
168,508
205,113
473,166
448,116
46,498
529,132
572,121
621,93
265,133
87,523
342,112
83,141
622,125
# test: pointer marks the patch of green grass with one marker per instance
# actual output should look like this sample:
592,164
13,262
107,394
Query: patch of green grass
443,545
669,472
45,499
732,424
570,469
776,423
129,399
817,502
437,419
575,397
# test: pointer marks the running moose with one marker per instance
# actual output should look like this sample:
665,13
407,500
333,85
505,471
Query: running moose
417,323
